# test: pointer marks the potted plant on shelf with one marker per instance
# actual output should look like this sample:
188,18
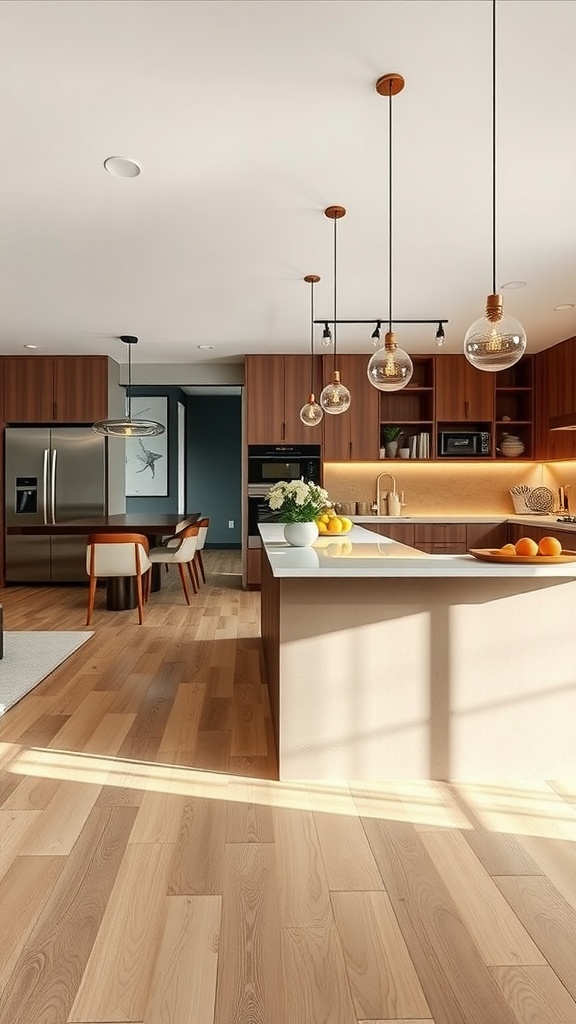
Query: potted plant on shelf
299,504
391,437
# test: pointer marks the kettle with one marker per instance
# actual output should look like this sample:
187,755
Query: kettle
570,492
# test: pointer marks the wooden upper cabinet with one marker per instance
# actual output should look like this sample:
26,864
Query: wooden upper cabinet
276,389
297,377
264,399
463,393
28,389
555,395
353,434
80,389
55,389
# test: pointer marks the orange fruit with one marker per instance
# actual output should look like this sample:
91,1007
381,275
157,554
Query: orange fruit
526,546
508,549
335,525
549,546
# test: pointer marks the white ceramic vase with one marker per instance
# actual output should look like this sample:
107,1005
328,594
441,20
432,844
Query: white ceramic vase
300,535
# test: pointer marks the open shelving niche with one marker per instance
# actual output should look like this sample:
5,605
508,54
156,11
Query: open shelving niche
412,409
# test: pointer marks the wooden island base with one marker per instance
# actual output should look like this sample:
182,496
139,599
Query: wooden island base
428,678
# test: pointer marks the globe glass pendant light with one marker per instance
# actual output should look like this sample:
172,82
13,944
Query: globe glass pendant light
128,427
335,398
495,341
390,368
311,413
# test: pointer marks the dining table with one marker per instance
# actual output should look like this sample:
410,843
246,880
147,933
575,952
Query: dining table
120,591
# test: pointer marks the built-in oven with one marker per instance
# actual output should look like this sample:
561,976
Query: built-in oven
267,464
259,511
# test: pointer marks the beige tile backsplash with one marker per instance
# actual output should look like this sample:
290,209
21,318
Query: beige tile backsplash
436,488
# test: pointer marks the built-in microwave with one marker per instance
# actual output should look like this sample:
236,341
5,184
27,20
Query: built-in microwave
465,443
267,464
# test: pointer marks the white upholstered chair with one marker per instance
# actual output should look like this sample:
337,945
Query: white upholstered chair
180,551
118,554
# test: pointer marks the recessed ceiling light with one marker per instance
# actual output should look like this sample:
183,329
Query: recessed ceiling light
31,346
204,347
122,167
513,284
562,306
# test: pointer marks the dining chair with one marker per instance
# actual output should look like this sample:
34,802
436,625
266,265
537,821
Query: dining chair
202,525
111,555
179,550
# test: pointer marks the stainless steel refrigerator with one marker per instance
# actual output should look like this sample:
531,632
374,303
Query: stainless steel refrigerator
51,474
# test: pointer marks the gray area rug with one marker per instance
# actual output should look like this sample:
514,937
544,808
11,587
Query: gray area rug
31,656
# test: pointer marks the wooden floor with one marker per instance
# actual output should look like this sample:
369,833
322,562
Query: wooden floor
153,870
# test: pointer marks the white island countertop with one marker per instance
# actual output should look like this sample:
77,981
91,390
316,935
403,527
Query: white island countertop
362,553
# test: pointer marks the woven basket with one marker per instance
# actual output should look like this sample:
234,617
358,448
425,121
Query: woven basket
519,501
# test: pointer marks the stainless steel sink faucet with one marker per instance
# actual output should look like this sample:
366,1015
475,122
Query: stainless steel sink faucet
378,498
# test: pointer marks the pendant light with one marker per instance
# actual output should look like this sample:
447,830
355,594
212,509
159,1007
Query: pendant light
390,368
495,341
311,413
335,398
128,427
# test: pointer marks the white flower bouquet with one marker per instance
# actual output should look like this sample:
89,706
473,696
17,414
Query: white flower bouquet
297,501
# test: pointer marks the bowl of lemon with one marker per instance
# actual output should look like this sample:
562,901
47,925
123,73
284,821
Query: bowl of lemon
331,525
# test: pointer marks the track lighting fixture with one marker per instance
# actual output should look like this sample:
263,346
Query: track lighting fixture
440,336
376,335
326,336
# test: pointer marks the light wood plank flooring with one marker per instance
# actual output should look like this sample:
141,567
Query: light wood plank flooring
154,871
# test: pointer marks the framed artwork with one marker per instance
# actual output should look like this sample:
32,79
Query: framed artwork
147,457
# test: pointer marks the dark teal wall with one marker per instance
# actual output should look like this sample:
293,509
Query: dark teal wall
214,464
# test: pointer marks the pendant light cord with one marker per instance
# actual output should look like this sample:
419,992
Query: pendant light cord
493,147
129,403
312,337
390,210
335,366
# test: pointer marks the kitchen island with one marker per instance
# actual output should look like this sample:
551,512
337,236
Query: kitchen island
384,662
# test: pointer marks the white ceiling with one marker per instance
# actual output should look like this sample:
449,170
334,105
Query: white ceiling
249,117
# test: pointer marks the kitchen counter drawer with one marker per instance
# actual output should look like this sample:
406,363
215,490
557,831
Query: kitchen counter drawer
440,533
441,548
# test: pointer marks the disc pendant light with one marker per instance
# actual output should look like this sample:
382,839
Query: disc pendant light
128,427
390,368
495,341
335,398
311,413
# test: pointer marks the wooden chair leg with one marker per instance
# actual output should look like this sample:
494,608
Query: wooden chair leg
91,595
192,577
140,601
195,571
201,564
183,578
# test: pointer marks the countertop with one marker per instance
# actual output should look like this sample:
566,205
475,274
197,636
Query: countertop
362,553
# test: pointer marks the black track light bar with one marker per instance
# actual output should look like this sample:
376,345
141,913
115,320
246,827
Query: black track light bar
383,319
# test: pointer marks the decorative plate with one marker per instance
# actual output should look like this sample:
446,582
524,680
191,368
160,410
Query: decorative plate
494,555
540,499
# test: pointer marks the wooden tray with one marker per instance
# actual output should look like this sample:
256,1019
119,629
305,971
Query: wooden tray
494,555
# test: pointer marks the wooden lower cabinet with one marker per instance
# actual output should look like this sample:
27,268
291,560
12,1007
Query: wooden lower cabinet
567,538
486,535
440,538
401,532
253,568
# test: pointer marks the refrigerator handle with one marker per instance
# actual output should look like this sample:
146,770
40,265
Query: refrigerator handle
53,488
45,486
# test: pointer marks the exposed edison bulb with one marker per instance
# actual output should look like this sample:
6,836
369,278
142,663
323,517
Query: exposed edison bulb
311,414
496,341
390,368
335,398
